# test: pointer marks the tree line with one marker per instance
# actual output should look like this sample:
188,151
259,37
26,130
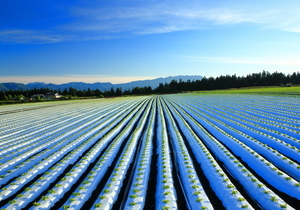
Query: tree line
263,78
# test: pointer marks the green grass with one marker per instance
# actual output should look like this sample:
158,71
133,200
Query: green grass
295,91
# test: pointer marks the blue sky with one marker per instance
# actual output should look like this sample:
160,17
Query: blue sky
121,41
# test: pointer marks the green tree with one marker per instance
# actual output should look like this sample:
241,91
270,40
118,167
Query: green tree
72,91
97,92
136,91
65,92
20,97
112,92
118,91
38,98
89,92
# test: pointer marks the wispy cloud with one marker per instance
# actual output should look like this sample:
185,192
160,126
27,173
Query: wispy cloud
123,19
30,36
72,78
161,17
168,16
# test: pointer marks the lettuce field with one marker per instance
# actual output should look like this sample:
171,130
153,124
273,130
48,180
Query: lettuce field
181,151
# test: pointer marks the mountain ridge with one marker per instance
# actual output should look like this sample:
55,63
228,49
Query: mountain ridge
153,83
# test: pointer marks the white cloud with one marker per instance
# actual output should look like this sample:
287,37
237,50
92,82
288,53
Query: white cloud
72,78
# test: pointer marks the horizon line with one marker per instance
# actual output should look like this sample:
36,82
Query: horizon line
87,80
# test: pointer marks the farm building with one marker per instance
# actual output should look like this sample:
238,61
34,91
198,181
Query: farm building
51,96
35,96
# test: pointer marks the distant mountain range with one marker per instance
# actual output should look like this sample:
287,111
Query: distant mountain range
98,85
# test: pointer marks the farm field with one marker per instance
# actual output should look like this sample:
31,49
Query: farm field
274,90
181,151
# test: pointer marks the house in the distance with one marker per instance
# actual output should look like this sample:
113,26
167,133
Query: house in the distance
37,97
287,85
48,96
52,96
